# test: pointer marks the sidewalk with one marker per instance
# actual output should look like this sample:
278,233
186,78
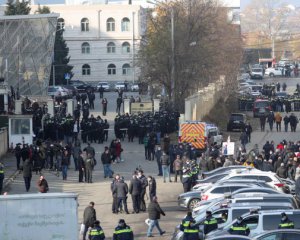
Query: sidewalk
10,169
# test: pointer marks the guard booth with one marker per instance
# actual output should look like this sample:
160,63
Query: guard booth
139,107
20,129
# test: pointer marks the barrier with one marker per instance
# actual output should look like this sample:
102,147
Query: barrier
4,141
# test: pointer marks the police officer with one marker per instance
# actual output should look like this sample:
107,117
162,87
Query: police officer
123,231
285,223
210,223
186,180
239,228
1,177
190,231
96,232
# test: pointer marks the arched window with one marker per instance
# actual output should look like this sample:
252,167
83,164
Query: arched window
126,69
111,47
125,47
125,25
84,25
85,48
110,25
86,69
111,69
60,23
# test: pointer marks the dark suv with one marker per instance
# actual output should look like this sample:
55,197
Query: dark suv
81,86
237,121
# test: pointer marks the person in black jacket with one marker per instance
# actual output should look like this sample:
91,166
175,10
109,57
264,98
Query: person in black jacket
81,165
135,188
210,223
154,212
96,232
27,173
106,161
123,231
121,189
89,217
18,155
152,187
144,182
114,206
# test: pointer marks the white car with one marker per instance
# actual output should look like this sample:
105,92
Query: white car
135,88
257,73
119,86
105,86
57,91
273,72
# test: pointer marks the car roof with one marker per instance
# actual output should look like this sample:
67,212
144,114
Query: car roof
261,100
261,188
230,237
277,231
259,195
257,205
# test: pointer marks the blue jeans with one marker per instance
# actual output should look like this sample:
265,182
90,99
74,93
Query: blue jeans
152,224
166,172
107,170
64,171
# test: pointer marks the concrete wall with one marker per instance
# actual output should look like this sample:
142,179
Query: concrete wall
200,104
3,141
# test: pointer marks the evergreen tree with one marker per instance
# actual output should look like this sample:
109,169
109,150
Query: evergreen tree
61,59
42,10
17,7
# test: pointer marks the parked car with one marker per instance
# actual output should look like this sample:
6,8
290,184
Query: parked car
221,170
237,121
81,86
261,107
281,94
281,234
55,91
120,86
257,73
105,86
135,88
273,72
261,221
72,89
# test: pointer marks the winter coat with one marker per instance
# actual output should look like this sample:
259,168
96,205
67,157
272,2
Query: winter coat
106,158
121,189
135,186
43,186
89,216
152,187
154,211
281,172
178,164
165,160
297,174
118,149
27,168
203,165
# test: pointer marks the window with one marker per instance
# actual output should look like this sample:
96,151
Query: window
271,222
86,69
265,178
125,47
111,47
85,48
126,69
110,25
111,69
20,126
220,190
84,25
125,25
60,23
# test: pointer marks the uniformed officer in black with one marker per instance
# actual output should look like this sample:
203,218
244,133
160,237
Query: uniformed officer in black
239,228
96,233
189,229
210,223
123,231
285,223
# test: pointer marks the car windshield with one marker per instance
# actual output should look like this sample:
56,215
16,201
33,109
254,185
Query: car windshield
256,88
236,117
257,70
261,104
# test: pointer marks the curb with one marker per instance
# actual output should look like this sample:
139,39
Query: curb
10,179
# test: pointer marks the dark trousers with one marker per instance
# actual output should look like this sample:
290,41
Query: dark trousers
142,199
27,181
86,228
278,126
178,172
18,162
80,175
105,135
1,182
101,94
89,175
104,111
124,200
114,206
136,202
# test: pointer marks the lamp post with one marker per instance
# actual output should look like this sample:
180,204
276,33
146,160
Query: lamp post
172,83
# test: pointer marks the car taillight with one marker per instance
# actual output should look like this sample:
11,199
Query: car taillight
279,184
204,197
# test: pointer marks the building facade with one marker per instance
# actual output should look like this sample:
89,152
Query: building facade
102,39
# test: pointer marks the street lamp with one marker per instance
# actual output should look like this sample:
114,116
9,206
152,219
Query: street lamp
172,83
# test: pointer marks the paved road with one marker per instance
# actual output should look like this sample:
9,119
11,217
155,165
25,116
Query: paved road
99,191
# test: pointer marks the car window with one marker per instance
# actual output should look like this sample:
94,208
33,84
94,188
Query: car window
214,178
271,222
218,214
272,236
234,188
252,222
261,104
238,212
237,117
265,178
220,190
291,236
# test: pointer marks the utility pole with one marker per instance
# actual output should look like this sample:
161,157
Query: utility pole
173,95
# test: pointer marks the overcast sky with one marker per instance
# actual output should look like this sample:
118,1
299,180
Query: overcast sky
243,2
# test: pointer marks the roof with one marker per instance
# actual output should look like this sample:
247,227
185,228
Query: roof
30,16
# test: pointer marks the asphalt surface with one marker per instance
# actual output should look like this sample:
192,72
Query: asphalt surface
133,156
